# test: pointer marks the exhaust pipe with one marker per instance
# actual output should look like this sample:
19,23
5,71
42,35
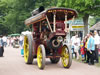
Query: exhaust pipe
38,10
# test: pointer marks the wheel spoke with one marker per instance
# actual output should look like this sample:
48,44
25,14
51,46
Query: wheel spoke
40,55
27,53
66,55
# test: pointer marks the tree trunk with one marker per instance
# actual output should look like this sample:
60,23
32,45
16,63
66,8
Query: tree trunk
85,20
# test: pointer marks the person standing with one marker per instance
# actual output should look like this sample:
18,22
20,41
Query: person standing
77,46
72,45
9,41
97,42
84,42
91,49
87,52
1,46
5,40
12,40
21,40
82,50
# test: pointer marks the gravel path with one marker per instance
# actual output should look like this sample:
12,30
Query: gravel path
13,64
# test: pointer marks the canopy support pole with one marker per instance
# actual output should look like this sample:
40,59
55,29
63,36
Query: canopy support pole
49,24
72,20
40,26
65,22
54,22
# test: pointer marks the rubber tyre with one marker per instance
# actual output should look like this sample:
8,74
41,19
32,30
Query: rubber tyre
41,57
54,60
28,39
69,62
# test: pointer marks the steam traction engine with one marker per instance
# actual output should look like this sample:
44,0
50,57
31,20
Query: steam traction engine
48,35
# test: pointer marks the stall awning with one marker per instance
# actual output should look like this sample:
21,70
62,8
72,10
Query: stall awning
96,26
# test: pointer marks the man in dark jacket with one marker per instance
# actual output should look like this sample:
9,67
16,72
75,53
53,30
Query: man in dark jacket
1,46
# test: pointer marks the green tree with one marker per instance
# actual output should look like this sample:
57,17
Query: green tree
3,11
14,13
85,8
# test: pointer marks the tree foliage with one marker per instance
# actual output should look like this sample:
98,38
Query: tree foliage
14,12
85,8
82,6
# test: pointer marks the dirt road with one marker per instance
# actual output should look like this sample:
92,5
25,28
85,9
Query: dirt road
13,64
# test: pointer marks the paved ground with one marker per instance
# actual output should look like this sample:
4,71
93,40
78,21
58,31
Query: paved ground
13,64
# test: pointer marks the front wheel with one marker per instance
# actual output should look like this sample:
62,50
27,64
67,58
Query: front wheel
41,56
66,57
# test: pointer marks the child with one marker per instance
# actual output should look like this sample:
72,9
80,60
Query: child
22,51
82,51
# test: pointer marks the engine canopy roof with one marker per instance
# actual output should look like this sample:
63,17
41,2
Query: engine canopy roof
60,15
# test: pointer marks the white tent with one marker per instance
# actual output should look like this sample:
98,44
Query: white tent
26,32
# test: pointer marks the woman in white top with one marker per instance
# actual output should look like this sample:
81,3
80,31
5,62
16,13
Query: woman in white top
77,45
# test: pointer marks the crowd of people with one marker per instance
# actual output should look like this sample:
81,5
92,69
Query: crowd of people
88,47
9,41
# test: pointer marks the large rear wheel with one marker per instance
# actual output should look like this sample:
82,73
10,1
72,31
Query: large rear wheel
41,56
28,49
66,57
